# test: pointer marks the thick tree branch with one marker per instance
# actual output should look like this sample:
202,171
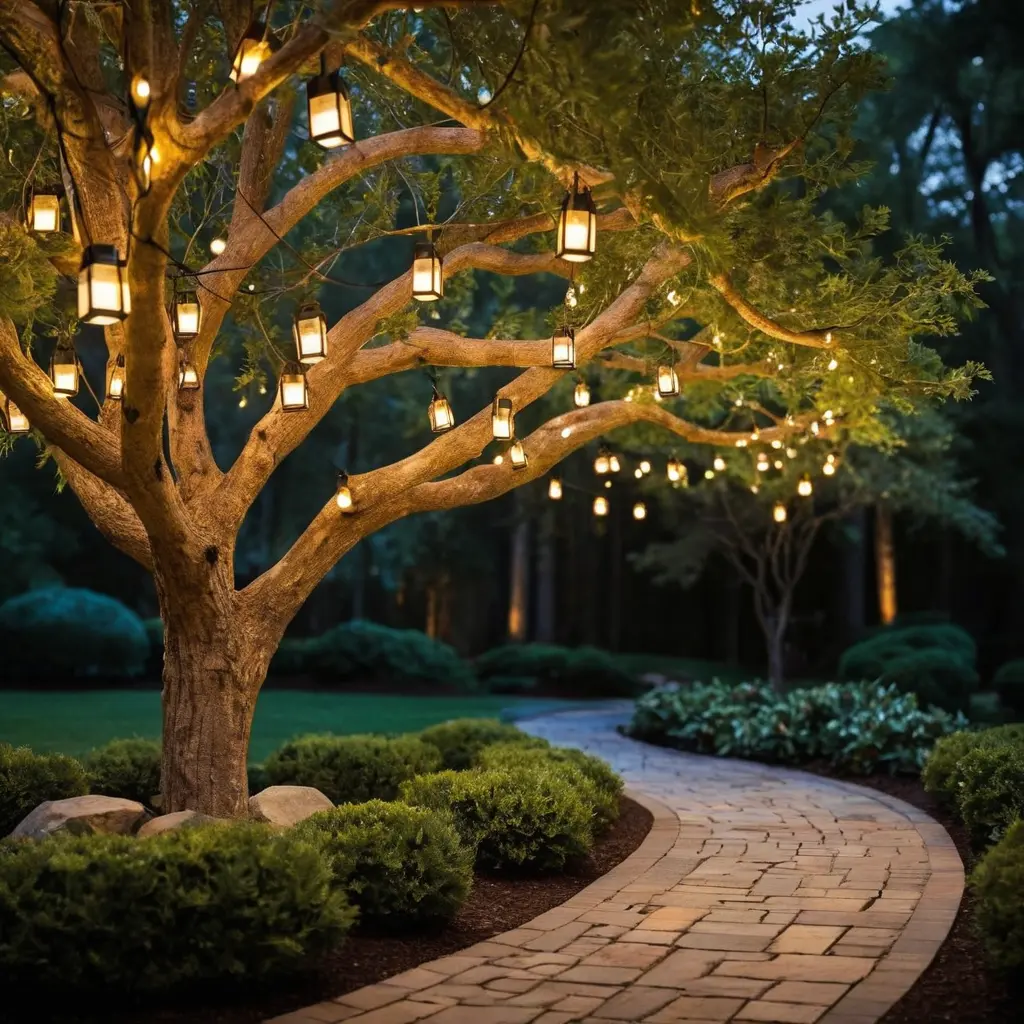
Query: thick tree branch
810,339
737,181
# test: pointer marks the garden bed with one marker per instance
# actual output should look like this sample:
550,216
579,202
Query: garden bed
497,904
959,985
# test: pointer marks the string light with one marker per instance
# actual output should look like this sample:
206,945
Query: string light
576,237
776,444
309,328
613,463
719,464
12,419
600,505
218,245
831,463
499,459
815,428
805,488
791,453
645,466
104,296
673,298
779,463
329,109
755,435
64,370
639,511
668,382
608,485
563,349
570,297
638,473
833,363
243,402
754,488
741,442
555,489
115,382
502,419
603,462
517,456
762,463
779,513
140,92
145,156
566,431
709,474
293,389
343,494
440,413
427,273
188,376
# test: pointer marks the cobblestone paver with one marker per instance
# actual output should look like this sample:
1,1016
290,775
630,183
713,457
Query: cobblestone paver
761,894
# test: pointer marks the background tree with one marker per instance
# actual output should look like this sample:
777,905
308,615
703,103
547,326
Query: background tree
706,134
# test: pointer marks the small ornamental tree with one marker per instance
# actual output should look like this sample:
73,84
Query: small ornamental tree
702,135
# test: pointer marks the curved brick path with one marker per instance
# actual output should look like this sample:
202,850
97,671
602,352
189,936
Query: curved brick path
761,894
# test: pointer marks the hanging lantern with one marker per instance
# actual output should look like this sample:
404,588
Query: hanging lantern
43,213
581,395
310,330
293,389
668,382
12,419
440,413
555,489
600,505
502,420
330,109
563,350
252,50
613,463
517,455
427,276
64,370
188,376
603,462
830,466
115,384
145,156
343,495
779,513
577,226
188,315
805,488
763,465
675,470
103,294
719,464
639,510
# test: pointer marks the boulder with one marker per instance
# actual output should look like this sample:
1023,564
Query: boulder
175,820
81,815
287,805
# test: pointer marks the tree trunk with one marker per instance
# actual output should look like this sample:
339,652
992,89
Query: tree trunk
519,588
776,656
885,559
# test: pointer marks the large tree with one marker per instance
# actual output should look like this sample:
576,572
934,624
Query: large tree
706,132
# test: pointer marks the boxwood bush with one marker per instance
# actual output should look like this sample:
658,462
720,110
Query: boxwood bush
59,633
28,779
127,768
351,769
401,866
601,786
527,818
998,882
857,727
572,671
990,790
111,913
1008,682
461,739
940,773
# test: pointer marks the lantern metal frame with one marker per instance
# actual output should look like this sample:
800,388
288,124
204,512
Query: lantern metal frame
306,312
668,381
102,255
12,418
577,201
63,348
116,394
185,297
257,33
438,401
504,418
563,349
517,455
331,83
343,494
54,192
188,375
293,373
428,251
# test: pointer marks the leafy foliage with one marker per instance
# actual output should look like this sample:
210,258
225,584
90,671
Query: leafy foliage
351,769
126,768
857,727
940,774
1008,682
28,779
101,911
401,866
997,882
575,671
530,818
461,740
990,793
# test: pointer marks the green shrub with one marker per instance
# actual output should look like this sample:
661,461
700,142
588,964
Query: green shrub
461,739
990,790
998,882
936,675
401,866
573,671
858,727
58,632
869,658
367,651
1008,682
940,772
256,776
351,769
602,786
127,768
27,779
111,913
523,818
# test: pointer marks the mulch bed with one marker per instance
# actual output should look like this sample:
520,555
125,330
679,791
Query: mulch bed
497,904
959,985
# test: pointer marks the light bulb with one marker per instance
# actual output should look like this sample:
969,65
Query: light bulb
741,442
607,485
804,487
829,469
779,513
776,443
566,431
499,459
833,364
719,463
709,474
218,245
645,466
639,510
778,463
791,453
638,473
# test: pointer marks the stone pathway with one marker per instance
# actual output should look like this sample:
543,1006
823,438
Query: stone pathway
760,894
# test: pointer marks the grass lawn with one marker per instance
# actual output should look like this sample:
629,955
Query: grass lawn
74,723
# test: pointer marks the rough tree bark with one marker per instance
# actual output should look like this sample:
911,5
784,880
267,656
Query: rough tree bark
885,563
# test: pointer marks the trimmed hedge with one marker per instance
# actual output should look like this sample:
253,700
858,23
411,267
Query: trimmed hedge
58,633
940,772
361,650
990,793
401,866
1008,682
998,882
574,671
601,786
351,769
126,768
519,819
461,739
937,676
28,779
110,913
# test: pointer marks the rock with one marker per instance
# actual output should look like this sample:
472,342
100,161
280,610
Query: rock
176,820
287,805
81,815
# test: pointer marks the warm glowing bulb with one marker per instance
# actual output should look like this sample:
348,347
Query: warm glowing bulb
243,402
600,505
791,453
719,463
754,488
804,487
639,510
499,459
776,443
779,513
833,364
829,469
566,431
607,485
217,246
554,488
638,473
741,442
141,91
613,463
645,466
343,498
778,463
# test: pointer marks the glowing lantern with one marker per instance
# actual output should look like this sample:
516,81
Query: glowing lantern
252,50
555,489
188,376
600,505
603,462
517,455
343,495
440,413
115,385
103,293
43,214
293,389
563,349
188,315
329,109
668,382
502,419
427,276
577,226
13,420
310,331
804,488
779,513
639,510
581,395
64,370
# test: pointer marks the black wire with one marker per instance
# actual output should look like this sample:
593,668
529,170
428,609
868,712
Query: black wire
519,57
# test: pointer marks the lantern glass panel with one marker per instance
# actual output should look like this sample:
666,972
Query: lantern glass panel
187,315
44,212
563,349
668,382
294,393
427,274
310,334
502,419
64,372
